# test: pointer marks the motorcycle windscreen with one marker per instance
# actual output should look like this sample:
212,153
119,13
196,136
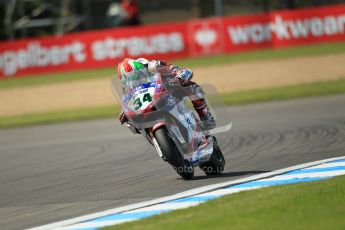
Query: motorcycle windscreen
116,88
137,94
135,91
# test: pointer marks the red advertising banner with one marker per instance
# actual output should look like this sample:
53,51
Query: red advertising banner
174,40
92,49
285,28
324,24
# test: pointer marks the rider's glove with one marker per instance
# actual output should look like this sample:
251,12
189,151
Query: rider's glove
185,74
122,118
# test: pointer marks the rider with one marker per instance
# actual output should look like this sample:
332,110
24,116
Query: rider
183,75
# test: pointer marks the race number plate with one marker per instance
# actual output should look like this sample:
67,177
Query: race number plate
142,98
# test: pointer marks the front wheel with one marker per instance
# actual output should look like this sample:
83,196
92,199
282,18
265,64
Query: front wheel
215,166
172,155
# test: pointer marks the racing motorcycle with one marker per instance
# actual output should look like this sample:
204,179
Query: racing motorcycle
159,108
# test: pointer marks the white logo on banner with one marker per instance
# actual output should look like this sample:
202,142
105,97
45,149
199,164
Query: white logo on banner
36,55
206,37
112,48
288,29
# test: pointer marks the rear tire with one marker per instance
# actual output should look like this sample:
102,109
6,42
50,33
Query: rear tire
215,166
172,155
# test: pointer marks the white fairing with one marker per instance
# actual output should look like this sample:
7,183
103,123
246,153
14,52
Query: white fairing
200,148
176,131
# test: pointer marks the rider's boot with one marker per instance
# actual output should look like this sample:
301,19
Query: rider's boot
207,120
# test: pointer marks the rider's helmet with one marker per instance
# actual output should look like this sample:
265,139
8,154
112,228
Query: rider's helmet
144,61
128,66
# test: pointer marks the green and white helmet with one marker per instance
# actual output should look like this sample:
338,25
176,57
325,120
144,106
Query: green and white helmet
127,66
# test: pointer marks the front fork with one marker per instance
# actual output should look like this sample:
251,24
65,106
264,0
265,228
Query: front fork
158,149
154,142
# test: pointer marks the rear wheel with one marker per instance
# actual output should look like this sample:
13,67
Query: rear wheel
215,166
172,155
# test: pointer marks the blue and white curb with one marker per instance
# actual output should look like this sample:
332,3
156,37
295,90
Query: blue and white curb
314,171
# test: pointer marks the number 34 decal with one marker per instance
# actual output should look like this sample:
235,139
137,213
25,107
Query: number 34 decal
144,99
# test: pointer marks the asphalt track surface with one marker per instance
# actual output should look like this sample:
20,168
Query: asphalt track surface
54,172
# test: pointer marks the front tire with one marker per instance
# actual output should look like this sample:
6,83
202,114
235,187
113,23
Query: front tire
172,155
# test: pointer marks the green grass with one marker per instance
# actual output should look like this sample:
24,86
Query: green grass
265,54
285,92
236,98
313,205
53,78
262,54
